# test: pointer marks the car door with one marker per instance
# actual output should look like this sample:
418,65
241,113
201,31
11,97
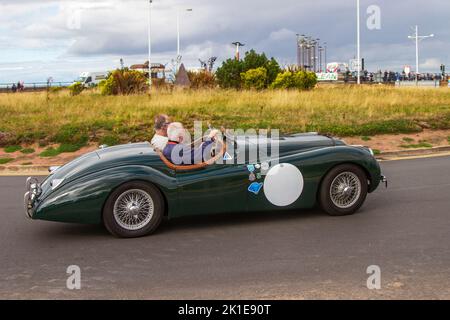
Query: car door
218,188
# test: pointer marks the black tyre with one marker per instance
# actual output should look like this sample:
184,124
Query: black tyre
343,190
134,209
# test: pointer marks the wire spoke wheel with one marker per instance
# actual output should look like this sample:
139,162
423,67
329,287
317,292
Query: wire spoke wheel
133,209
345,190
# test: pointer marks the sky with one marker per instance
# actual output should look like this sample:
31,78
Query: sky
61,39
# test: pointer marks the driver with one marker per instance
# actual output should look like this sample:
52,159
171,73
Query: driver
179,145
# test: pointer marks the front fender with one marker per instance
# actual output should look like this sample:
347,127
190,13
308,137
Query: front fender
82,200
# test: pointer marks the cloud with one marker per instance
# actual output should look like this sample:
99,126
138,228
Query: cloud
57,32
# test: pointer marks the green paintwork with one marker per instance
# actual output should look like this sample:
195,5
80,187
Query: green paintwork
219,188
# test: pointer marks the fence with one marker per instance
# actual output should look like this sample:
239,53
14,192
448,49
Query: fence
35,86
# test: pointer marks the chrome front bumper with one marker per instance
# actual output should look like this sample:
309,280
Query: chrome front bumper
33,191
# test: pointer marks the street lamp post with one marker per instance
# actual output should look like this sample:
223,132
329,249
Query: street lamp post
358,41
150,44
178,34
418,38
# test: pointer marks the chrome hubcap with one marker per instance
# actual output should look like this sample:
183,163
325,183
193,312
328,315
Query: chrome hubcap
133,209
345,190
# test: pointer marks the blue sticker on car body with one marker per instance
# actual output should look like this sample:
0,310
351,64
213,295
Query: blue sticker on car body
255,187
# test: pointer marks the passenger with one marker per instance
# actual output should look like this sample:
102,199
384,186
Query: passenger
160,139
179,146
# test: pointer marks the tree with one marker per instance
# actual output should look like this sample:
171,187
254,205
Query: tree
255,78
229,74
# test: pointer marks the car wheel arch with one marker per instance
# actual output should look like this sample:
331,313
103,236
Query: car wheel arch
166,204
366,172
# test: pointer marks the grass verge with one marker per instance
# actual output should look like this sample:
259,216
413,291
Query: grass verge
340,111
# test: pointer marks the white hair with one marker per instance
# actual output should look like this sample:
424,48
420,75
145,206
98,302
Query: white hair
176,130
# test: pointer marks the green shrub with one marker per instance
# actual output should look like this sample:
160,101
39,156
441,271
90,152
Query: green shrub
63,148
229,74
284,80
255,78
67,147
49,152
76,88
72,134
5,160
302,80
11,149
107,86
110,140
124,82
421,144
28,151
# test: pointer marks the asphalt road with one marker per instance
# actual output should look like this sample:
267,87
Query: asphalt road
405,230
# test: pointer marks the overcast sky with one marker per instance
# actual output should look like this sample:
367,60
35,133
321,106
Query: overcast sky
62,38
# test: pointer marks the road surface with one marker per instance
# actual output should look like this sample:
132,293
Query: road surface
405,230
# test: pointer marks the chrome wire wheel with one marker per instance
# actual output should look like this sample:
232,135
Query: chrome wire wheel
133,209
345,190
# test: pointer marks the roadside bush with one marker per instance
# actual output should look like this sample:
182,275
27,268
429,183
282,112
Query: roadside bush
76,88
295,80
202,80
229,74
255,78
124,82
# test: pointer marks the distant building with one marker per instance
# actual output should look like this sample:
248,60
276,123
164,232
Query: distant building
158,69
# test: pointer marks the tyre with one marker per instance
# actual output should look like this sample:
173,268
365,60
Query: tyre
134,209
343,190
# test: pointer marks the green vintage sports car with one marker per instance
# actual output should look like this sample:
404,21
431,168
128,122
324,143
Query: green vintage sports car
131,188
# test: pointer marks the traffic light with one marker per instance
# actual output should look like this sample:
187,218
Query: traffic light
443,70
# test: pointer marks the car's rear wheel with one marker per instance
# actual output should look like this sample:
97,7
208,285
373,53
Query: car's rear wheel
134,209
343,190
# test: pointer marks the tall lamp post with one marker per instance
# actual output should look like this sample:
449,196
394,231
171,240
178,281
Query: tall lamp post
418,38
178,30
150,44
238,45
358,41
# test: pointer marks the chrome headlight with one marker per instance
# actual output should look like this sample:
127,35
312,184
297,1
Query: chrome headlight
56,183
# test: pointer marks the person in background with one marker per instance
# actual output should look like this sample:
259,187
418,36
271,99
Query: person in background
160,139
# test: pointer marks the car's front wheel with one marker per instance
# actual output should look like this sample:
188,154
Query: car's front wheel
134,209
343,190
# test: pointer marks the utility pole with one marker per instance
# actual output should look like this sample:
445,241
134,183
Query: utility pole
358,41
238,45
418,38
150,44
178,30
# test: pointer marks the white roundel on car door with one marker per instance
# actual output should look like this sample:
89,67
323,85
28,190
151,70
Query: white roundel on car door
283,184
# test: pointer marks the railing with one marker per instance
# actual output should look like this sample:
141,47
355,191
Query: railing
35,86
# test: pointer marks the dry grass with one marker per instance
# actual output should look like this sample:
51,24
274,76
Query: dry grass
344,111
